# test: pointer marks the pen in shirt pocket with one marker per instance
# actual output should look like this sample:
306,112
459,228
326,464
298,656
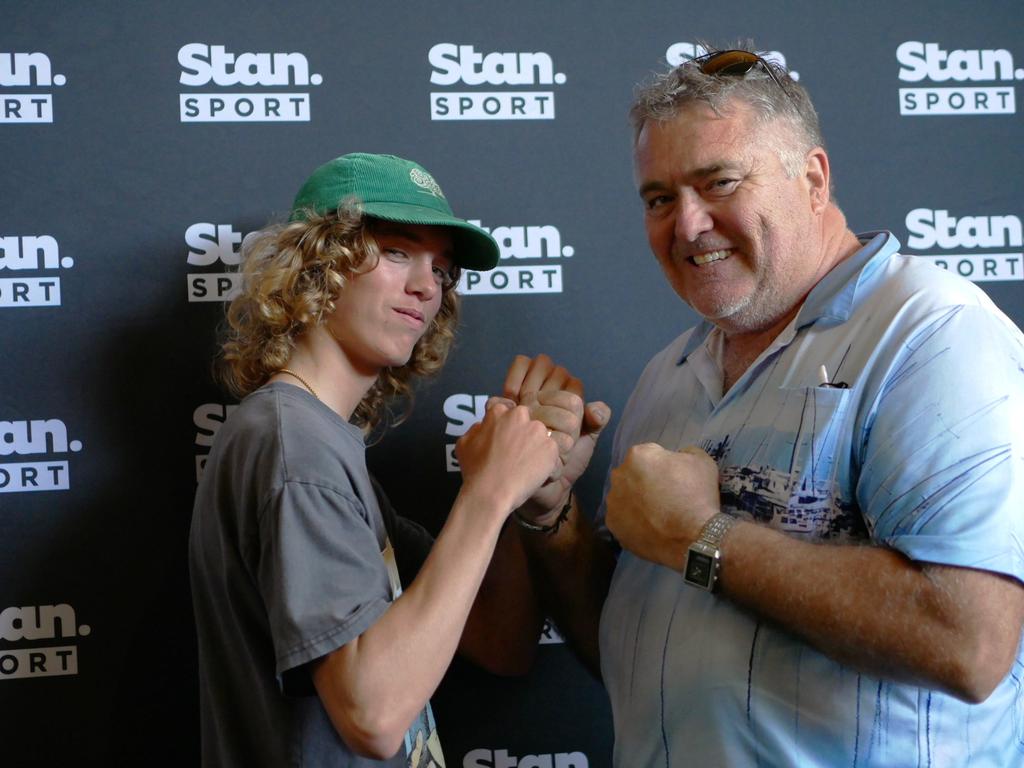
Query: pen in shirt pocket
824,382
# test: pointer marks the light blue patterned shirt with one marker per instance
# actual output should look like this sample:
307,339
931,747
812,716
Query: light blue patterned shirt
923,452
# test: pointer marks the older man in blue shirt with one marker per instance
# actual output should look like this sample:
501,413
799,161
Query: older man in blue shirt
819,490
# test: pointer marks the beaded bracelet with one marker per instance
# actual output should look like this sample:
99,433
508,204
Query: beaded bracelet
553,527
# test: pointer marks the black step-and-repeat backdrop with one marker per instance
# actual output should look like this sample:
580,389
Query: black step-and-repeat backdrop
141,141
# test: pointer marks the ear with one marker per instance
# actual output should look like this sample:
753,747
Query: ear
817,175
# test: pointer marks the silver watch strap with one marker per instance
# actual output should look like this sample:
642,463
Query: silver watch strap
714,530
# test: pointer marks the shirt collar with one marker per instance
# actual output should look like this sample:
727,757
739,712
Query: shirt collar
832,299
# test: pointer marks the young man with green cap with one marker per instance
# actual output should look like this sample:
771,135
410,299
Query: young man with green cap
310,652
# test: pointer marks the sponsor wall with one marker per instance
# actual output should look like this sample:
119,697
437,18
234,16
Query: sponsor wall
141,141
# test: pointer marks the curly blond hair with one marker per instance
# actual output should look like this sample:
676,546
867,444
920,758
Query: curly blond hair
291,277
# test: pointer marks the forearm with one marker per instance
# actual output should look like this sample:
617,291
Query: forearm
504,623
873,609
572,570
375,685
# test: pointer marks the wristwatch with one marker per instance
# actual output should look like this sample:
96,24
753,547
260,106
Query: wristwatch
704,558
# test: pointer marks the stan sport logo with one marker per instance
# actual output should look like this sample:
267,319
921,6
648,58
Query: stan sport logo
212,246
967,81
32,624
207,419
23,72
35,438
975,247
530,262
222,73
492,86
32,262
461,412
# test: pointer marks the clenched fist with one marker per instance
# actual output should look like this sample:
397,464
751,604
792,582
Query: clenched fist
660,499
507,456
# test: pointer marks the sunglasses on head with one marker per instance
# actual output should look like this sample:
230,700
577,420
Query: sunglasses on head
734,63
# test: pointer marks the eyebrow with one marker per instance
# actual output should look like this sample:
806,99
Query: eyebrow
699,173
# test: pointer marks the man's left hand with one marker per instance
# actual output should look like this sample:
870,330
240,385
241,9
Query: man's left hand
660,499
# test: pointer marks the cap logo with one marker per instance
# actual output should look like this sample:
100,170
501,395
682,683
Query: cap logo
425,182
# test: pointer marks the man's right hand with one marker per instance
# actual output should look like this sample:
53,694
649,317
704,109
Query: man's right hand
659,500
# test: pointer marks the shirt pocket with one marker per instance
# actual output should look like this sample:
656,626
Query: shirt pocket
786,465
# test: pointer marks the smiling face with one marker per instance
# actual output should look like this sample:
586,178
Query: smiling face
738,239
382,313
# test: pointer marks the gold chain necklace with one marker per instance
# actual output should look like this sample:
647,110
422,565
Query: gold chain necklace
304,382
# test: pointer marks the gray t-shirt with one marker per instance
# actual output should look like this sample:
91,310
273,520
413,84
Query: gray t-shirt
289,554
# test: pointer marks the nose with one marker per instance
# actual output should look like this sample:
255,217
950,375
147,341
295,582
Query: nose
420,280
692,216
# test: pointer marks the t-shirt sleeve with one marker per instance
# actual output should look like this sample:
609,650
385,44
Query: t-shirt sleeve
942,478
320,572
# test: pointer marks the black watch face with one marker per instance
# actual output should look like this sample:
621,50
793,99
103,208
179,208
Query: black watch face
698,568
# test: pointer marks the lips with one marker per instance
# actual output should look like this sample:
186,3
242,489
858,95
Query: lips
414,315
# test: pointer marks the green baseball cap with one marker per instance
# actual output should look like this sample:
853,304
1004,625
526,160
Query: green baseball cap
393,189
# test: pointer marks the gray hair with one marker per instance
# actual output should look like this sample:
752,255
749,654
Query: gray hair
771,98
